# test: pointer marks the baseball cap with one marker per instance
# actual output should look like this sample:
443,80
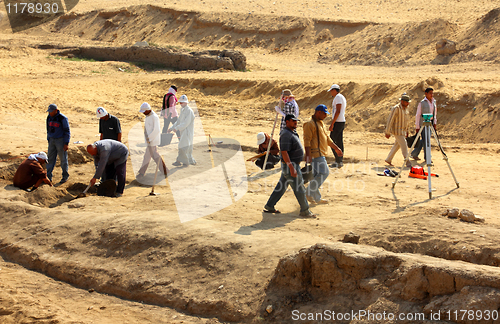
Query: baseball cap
101,112
405,97
322,108
183,98
290,117
145,107
42,155
52,107
261,137
334,86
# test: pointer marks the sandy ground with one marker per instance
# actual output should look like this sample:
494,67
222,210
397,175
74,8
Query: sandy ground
104,260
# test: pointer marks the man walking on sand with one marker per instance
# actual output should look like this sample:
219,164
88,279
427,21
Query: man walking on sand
426,106
338,123
152,137
397,125
291,155
184,125
58,136
316,142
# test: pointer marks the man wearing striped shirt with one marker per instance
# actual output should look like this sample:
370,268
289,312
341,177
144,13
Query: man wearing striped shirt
397,125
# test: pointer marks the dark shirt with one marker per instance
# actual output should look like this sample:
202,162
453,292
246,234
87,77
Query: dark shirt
28,173
290,142
108,152
57,127
110,128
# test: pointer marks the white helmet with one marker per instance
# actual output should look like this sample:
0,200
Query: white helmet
101,112
145,107
183,98
261,138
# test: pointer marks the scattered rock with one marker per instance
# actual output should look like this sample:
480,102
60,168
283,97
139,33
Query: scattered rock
446,47
91,290
351,238
381,126
478,218
467,216
269,309
453,213
76,205
445,212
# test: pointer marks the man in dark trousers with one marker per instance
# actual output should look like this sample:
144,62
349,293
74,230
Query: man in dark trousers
31,173
338,123
110,157
291,155
58,136
109,125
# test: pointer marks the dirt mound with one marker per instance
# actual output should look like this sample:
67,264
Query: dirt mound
78,155
7,172
163,57
46,196
345,277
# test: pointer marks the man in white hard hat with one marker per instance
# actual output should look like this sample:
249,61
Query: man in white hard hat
31,173
152,136
274,152
109,125
338,123
184,125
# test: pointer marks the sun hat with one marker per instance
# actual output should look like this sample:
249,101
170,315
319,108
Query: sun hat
261,138
287,93
101,112
42,155
145,107
290,117
334,86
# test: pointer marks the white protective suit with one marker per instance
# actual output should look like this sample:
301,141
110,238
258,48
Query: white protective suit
152,129
185,124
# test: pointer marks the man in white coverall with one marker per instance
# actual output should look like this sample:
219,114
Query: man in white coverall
152,136
185,125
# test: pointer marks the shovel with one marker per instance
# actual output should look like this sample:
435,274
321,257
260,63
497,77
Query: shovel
84,193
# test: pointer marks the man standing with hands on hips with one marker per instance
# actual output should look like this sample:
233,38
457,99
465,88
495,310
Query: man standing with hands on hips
338,123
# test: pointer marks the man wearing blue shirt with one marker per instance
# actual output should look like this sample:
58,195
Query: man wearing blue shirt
58,136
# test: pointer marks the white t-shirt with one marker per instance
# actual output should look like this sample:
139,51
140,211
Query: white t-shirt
339,99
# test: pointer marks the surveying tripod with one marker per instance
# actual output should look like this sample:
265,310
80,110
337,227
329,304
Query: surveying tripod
427,128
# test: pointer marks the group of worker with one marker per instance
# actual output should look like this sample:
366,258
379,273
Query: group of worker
110,154
316,141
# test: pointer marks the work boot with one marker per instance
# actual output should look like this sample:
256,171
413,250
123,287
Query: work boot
307,214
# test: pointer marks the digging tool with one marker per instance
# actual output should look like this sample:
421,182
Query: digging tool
84,193
272,134
153,193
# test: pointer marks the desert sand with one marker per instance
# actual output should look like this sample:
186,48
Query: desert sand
132,260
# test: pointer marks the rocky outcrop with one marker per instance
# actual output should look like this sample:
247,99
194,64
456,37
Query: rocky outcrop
200,61
345,277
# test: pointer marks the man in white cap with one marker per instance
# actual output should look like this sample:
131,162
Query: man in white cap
152,136
31,173
338,123
184,125
274,152
58,136
109,125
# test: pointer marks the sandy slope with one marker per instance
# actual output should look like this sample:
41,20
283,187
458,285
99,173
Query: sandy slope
216,268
